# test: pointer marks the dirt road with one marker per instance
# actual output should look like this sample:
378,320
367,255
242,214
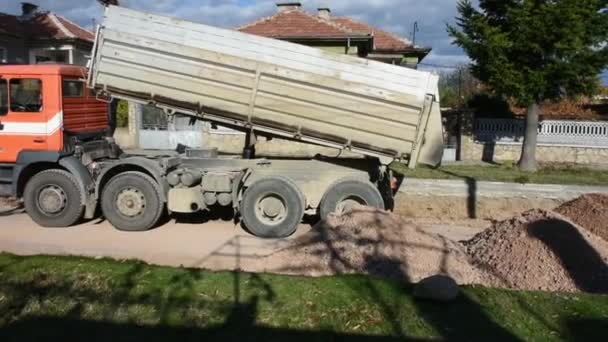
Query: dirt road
208,243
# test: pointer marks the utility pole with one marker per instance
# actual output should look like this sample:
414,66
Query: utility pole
416,29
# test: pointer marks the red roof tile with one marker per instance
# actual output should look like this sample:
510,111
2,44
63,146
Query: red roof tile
383,40
10,25
298,24
46,25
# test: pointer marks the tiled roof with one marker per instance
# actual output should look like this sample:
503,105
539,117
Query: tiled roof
383,41
297,23
46,25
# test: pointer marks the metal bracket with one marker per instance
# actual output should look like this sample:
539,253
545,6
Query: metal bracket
254,94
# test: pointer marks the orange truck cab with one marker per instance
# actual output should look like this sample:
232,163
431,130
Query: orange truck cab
45,107
49,119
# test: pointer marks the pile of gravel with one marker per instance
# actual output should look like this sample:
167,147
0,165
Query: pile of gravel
375,242
589,212
541,250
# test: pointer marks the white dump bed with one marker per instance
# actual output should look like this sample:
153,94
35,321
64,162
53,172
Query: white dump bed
269,85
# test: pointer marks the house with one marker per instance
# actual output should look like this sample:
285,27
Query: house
37,36
337,34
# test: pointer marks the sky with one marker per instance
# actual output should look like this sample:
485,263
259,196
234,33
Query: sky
397,16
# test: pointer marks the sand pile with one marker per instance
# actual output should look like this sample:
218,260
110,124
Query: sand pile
541,250
372,242
589,212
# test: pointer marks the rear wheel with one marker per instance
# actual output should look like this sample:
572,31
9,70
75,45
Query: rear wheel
343,195
52,198
132,201
272,207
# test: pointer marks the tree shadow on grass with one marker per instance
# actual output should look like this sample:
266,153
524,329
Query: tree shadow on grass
463,319
29,310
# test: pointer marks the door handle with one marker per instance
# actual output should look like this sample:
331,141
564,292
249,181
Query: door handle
39,140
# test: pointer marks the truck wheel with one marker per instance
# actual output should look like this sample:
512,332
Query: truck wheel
52,198
272,207
343,195
132,201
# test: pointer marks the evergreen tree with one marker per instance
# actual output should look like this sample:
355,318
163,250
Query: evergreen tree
534,51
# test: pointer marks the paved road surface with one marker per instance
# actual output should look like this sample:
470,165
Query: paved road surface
214,244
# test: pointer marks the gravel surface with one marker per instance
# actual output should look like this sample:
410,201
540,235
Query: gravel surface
537,250
373,242
541,250
589,212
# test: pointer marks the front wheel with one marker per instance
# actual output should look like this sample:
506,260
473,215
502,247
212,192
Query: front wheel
53,198
132,201
272,207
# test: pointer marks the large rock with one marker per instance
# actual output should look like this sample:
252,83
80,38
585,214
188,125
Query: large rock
440,288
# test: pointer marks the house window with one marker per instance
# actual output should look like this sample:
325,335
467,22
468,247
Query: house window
26,95
73,88
3,55
3,97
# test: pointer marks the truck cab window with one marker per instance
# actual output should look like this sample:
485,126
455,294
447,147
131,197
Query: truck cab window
73,88
26,95
3,97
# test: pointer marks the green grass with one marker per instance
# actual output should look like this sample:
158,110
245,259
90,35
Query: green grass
54,298
509,173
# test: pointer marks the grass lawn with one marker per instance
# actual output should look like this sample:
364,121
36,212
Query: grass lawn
509,173
57,298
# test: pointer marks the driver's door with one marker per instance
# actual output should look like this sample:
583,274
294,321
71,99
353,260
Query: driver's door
23,122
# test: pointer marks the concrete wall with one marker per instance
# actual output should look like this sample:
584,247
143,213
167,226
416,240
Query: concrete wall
234,143
476,151
124,139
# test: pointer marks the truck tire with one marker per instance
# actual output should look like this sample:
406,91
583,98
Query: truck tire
53,198
132,201
342,195
272,207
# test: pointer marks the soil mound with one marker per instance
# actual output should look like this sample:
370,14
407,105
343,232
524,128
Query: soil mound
589,212
373,242
541,250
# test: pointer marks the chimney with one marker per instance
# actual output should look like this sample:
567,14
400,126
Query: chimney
324,13
288,6
28,9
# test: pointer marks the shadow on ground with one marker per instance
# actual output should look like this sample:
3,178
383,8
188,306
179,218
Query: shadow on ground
177,309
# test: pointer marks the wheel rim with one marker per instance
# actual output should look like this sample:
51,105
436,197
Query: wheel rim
271,209
348,203
52,200
130,202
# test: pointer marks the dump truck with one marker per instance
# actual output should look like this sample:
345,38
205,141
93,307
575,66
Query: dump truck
56,153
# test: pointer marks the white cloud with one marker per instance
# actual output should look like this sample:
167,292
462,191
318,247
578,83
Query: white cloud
397,16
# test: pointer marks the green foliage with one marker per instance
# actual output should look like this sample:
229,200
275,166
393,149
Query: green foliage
535,50
122,114
457,87
548,174
484,104
59,298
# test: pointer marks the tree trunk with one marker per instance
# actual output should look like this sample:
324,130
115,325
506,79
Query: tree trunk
528,152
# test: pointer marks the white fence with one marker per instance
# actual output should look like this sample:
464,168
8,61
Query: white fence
550,132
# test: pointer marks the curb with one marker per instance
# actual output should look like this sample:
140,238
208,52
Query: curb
464,188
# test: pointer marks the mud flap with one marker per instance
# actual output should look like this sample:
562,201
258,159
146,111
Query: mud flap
85,182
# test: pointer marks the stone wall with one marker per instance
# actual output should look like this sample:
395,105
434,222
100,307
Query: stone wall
477,151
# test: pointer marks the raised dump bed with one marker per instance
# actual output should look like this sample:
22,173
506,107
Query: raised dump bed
269,86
